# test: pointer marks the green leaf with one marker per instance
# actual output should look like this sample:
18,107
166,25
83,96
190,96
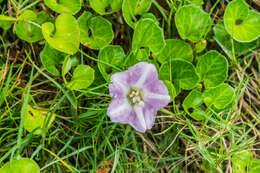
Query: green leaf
148,34
68,63
65,37
171,89
37,119
5,24
7,18
113,55
225,41
104,7
82,78
220,96
64,6
50,58
28,26
241,23
175,49
95,31
133,9
192,103
183,74
241,162
192,22
212,68
200,46
23,165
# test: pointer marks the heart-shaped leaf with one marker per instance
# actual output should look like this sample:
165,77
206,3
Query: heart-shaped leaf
37,119
192,103
28,26
134,9
65,37
175,49
113,55
82,78
95,31
212,68
148,34
64,6
104,7
50,58
192,22
225,41
68,63
183,74
220,96
241,23
23,165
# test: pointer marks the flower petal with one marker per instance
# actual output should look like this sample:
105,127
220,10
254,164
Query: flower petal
119,86
156,94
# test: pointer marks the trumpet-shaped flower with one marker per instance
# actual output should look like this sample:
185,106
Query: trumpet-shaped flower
137,96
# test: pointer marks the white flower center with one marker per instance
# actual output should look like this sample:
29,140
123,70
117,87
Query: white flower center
135,97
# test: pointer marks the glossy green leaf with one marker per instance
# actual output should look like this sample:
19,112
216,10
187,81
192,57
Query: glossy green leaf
240,22
220,96
64,6
175,49
65,37
68,63
148,34
113,55
82,78
212,68
51,58
192,22
104,7
23,165
134,9
95,31
192,105
225,41
37,119
184,75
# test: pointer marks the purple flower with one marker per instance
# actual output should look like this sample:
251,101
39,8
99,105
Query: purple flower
137,96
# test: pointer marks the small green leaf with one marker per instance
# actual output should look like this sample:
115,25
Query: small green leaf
7,18
175,49
82,78
212,68
64,6
134,9
192,22
23,165
68,63
225,41
113,55
104,7
148,34
36,119
171,89
95,31
241,23
65,37
183,74
200,46
5,24
50,58
192,103
220,96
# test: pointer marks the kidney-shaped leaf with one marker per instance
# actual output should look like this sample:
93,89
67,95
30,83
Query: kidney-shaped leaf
23,165
37,119
134,9
82,78
95,31
148,34
113,55
183,74
220,96
64,6
65,37
212,68
225,41
241,23
106,6
50,58
192,22
175,49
